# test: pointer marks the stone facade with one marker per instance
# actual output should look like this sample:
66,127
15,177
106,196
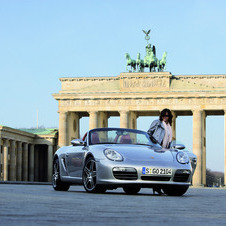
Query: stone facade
26,155
131,95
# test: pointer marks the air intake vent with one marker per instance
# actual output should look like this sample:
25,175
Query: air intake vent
155,178
125,175
181,175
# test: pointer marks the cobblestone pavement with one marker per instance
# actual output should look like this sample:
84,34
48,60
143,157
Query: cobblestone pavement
41,205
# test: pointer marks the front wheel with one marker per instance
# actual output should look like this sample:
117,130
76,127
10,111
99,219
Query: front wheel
58,185
175,190
89,177
131,190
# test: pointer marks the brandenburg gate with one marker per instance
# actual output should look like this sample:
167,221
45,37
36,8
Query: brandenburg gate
130,95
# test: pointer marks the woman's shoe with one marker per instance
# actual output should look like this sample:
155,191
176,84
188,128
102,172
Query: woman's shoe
158,190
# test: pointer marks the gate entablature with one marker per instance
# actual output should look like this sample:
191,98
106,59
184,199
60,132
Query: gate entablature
142,92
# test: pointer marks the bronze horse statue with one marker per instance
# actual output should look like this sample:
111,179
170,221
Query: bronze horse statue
162,62
140,63
130,62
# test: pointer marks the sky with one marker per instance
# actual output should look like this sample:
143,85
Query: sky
41,41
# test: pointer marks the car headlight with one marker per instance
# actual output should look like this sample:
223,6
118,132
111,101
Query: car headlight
182,157
113,155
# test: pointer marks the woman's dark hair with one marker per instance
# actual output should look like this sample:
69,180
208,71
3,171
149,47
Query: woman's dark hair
164,112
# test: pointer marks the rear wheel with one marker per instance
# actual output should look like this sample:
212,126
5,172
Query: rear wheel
175,190
58,185
131,190
89,177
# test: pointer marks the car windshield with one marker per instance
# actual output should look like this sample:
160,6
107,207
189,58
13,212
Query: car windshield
119,136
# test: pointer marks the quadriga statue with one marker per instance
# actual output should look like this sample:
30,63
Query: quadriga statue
150,60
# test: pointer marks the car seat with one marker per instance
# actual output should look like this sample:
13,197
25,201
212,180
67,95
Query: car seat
125,139
95,138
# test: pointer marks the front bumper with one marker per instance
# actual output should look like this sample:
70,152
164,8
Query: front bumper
181,174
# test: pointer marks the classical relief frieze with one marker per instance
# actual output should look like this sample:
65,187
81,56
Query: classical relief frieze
145,83
157,83
142,102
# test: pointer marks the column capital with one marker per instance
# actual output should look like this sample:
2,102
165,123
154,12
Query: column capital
12,142
196,110
25,144
19,143
5,142
63,112
92,112
123,112
174,114
32,145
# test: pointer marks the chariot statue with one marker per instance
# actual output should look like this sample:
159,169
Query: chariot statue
150,61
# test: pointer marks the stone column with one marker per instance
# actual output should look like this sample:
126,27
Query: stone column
19,161
103,120
124,119
5,159
225,147
36,170
12,171
203,148
25,162
76,125
0,158
50,162
93,121
133,120
174,124
73,126
197,146
31,162
62,138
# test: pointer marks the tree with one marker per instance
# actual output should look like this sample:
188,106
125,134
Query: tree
214,178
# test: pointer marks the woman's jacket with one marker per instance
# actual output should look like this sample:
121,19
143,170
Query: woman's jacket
157,131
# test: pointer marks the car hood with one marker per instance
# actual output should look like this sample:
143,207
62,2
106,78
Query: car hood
142,153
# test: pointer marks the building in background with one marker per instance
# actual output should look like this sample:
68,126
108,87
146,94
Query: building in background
26,154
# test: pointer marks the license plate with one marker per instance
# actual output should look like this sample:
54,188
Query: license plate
156,171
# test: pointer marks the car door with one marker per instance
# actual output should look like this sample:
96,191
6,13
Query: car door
74,160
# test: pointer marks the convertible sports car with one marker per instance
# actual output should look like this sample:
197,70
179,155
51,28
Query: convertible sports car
108,158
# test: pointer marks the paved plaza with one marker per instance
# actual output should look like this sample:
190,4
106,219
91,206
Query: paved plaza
40,204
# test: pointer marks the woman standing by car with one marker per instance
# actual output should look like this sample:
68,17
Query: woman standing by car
161,130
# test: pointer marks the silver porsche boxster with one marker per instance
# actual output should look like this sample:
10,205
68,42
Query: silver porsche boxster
108,158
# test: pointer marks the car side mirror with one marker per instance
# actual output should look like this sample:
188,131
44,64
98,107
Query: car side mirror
178,146
78,142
